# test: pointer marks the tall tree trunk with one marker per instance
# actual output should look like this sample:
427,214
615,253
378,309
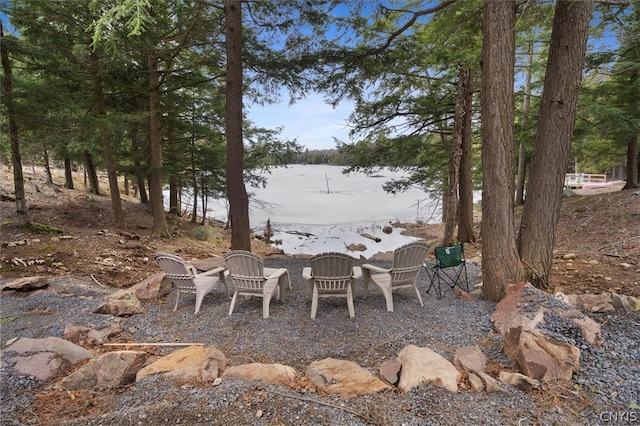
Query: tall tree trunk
194,180
236,191
160,227
22,210
47,165
500,262
633,160
91,174
451,198
100,112
522,149
553,139
68,173
142,188
466,232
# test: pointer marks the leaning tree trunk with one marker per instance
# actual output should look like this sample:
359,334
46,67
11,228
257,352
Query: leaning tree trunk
22,210
553,140
160,227
466,232
500,262
236,191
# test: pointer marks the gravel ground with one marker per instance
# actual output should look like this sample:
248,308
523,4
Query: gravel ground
605,391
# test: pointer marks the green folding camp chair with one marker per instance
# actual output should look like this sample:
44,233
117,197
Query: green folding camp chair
449,267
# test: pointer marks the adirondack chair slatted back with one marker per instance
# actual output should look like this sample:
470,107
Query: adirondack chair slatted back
407,262
246,271
176,270
332,272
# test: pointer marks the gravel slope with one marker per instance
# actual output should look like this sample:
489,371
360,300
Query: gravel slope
608,384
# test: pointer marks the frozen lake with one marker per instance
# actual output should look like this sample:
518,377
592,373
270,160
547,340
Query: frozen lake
335,208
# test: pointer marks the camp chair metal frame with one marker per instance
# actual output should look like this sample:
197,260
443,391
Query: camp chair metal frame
449,265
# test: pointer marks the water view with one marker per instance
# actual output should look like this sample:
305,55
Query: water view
316,208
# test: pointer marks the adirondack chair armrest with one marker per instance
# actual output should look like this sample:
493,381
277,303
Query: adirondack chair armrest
357,272
215,271
306,273
192,269
375,269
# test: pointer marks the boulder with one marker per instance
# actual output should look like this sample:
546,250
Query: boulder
26,284
45,358
476,382
629,303
469,359
422,365
540,357
109,371
154,287
390,371
80,334
510,311
589,302
518,380
197,363
345,378
490,384
269,373
121,303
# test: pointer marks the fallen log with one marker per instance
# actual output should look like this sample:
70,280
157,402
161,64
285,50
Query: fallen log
371,237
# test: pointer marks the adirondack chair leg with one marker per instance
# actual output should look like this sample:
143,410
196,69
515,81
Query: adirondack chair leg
388,297
418,294
352,312
199,299
175,308
233,302
366,276
314,302
265,305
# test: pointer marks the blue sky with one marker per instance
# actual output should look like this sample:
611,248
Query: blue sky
311,121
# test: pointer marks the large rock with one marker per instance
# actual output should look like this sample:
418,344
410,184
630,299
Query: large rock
83,334
26,284
518,308
121,303
269,373
197,363
154,287
390,371
540,357
422,365
45,358
518,380
629,303
469,359
345,378
525,306
589,302
109,371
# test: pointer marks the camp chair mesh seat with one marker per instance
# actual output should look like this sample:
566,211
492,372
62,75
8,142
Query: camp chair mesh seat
186,279
404,271
331,275
250,278
449,266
